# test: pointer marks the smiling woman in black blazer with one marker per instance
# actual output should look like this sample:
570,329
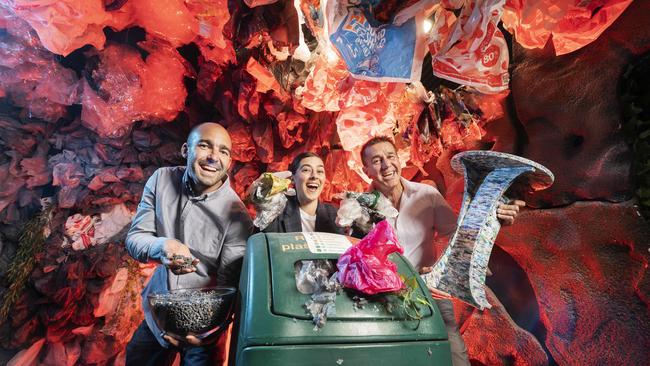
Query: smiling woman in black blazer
304,211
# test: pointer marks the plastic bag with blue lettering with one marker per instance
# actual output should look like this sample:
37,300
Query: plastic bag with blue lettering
373,50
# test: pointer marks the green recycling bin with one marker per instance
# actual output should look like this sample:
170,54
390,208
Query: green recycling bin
274,327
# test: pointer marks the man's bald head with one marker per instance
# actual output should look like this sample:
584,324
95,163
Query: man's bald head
208,153
206,127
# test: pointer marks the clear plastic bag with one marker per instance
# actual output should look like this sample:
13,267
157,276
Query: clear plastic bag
268,195
363,209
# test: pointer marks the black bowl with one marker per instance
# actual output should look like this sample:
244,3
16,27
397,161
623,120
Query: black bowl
192,311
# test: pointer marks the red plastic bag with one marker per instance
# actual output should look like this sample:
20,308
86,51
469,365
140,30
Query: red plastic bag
572,25
365,266
65,25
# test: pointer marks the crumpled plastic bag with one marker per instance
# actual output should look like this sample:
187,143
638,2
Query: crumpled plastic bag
363,209
254,3
340,176
79,232
124,88
376,51
321,92
212,16
472,51
290,127
572,26
313,275
28,356
365,266
318,278
65,25
30,77
113,223
269,197
168,19
243,147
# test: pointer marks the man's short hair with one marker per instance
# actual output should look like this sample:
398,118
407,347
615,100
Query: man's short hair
374,141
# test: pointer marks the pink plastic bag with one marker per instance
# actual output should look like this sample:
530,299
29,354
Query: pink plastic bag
365,266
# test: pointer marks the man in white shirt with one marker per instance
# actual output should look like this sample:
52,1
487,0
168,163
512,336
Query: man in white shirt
424,218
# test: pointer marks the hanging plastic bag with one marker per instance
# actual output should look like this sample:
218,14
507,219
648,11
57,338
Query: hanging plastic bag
472,51
365,266
376,51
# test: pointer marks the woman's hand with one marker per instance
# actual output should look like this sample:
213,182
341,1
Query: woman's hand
250,192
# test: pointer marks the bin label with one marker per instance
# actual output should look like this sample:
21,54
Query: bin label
326,242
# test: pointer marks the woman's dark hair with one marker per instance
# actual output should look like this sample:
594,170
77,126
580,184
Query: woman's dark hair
295,164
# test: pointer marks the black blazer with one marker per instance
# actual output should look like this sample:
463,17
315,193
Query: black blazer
289,220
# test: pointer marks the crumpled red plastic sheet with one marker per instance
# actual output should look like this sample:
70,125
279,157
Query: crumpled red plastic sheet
339,176
248,100
35,168
320,130
168,19
67,300
243,178
573,24
31,78
243,147
320,92
425,143
472,51
212,16
265,81
11,184
129,89
28,356
254,3
290,127
65,25
263,137
365,266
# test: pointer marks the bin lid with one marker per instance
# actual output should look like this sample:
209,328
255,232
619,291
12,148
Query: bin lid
287,249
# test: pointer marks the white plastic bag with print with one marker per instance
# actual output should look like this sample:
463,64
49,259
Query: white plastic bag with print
471,50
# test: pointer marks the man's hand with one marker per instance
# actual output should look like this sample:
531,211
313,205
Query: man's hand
435,293
189,340
508,213
177,257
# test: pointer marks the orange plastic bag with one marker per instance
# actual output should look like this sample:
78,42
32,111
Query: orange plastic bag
573,24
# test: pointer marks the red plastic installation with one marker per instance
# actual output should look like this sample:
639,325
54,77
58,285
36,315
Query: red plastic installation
85,303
